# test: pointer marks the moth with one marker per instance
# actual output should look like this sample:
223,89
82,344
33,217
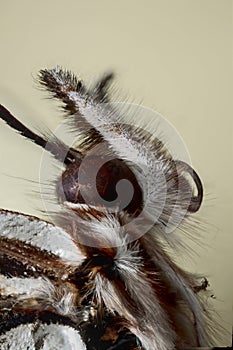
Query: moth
99,276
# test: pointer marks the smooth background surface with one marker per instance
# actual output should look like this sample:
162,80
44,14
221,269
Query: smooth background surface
174,55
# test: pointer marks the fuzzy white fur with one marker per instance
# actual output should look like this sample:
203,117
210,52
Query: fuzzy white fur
42,337
39,294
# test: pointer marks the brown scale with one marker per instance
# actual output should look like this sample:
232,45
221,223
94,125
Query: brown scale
24,260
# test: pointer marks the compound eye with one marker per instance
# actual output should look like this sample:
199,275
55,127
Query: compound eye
82,183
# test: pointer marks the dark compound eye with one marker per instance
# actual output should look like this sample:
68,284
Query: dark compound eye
77,185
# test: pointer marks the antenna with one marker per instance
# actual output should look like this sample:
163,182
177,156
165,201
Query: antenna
49,146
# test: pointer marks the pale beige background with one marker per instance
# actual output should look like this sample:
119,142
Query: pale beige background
174,55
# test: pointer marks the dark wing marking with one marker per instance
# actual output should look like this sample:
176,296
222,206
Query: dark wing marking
20,259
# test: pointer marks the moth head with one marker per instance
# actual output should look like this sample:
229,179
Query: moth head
111,178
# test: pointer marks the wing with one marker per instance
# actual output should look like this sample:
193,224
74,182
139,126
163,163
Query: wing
34,269
42,274
38,236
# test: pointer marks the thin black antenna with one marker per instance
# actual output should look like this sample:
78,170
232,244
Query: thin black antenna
53,148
